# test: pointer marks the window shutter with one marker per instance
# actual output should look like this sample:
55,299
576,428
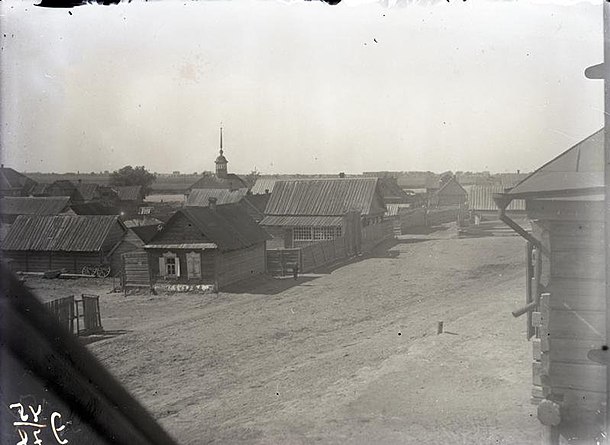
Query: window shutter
177,266
162,271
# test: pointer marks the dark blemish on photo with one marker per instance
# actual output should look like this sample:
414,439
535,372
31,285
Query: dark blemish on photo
399,334
375,40
70,12
605,348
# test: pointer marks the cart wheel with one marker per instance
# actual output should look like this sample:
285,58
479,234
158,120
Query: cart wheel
103,271
88,271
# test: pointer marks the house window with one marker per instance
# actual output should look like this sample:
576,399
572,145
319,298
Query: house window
302,234
324,233
170,267
337,232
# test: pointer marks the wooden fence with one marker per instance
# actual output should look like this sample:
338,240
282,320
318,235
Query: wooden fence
374,234
280,262
63,309
323,253
80,317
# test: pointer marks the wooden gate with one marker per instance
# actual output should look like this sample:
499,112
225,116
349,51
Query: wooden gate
90,313
63,309
281,261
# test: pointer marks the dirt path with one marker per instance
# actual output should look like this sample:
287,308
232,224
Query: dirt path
348,356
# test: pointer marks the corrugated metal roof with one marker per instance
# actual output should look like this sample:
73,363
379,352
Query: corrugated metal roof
263,184
229,226
325,197
480,197
295,221
128,192
72,233
578,168
200,197
34,206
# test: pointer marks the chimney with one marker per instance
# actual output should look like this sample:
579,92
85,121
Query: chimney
342,175
212,202
266,191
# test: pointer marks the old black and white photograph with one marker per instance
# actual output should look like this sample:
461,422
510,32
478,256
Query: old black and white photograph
304,222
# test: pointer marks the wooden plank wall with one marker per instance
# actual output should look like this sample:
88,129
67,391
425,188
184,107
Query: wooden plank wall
44,261
240,264
135,269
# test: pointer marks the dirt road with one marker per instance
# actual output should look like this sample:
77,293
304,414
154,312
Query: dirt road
348,355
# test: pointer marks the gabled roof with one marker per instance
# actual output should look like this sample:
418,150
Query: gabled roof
390,190
128,192
325,197
87,190
200,197
11,179
71,233
34,206
452,185
578,169
228,226
231,182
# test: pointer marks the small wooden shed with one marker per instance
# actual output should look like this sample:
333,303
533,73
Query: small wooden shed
216,245
565,296
42,243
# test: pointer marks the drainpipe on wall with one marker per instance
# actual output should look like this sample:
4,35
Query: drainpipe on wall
503,201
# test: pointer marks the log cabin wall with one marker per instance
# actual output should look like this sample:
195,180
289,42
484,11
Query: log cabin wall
571,319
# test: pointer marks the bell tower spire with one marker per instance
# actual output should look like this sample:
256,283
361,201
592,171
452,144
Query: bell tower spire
221,161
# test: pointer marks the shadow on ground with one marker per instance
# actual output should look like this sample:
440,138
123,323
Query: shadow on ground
88,339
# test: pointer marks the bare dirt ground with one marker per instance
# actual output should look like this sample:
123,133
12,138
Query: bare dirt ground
347,355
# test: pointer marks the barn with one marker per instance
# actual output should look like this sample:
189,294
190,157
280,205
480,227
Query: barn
216,245
306,211
565,295
42,243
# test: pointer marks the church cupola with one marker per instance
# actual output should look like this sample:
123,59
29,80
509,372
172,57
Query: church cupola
221,161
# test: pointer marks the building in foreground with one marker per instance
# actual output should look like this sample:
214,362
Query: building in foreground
566,295
216,245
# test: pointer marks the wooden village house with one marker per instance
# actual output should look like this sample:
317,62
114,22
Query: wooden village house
303,212
451,193
565,296
70,242
215,245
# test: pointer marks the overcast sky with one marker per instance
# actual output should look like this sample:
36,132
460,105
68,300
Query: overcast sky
301,87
